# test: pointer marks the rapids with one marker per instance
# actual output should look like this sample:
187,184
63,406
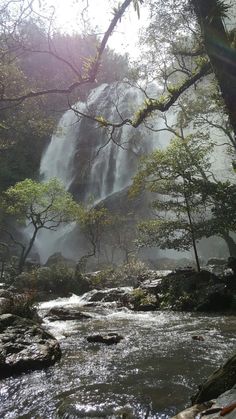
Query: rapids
151,373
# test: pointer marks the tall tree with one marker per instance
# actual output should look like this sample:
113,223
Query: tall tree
189,202
220,46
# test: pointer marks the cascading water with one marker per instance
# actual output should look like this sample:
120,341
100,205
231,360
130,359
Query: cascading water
57,161
92,164
88,164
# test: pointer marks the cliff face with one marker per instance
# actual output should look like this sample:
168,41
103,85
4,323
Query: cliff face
104,164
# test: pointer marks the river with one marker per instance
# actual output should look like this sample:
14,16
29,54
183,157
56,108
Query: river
150,374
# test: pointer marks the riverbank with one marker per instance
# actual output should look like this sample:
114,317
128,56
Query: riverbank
161,356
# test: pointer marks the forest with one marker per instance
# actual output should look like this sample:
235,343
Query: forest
117,209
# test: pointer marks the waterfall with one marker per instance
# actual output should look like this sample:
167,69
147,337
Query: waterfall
57,161
90,166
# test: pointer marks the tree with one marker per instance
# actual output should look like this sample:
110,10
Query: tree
14,45
119,241
201,57
93,222
173,175
38,206
219,45
220,198
178,59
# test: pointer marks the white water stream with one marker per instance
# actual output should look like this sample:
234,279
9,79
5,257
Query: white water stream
155,368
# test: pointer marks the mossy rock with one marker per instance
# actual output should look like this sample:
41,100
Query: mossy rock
221,380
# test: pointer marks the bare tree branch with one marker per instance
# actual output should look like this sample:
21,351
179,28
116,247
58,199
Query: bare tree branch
90,78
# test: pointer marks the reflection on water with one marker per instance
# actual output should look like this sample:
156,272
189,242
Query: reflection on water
151,373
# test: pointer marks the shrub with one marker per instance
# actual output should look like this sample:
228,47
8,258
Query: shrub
141,297
58,279
129,273
22,305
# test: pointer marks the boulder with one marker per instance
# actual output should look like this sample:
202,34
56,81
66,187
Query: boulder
222,407
198,337
193,411
216,262
109,339
215,300
4,304
61,313
109,295
58,258
25,346
223,379
188,290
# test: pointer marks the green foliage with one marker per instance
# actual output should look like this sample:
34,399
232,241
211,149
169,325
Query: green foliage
101,121
93,222
103,278
173,175
142,297
28,64
58,279
40,205
126,274
45,205
129,273
163,171
167,234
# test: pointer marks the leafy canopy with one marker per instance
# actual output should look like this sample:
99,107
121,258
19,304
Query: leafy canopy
45,205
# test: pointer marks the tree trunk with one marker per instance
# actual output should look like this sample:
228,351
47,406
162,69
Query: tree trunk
230,243
192,233
220,51
25,252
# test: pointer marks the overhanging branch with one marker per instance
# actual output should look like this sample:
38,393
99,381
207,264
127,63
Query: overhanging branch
90,78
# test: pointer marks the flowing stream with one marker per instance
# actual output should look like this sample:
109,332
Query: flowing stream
151,373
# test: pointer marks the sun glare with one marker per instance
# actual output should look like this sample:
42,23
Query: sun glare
72,16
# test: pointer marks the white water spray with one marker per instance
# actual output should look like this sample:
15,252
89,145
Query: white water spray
78,147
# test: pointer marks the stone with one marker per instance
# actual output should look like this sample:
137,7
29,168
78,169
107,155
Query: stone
109,339
215,300
188,290
193,411
108,295
199,338
25,346
61,313
223,406
223,379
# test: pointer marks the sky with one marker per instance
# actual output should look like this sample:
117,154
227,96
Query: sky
124,38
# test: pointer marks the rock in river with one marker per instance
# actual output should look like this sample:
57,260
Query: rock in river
61,313
25,346
109,339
